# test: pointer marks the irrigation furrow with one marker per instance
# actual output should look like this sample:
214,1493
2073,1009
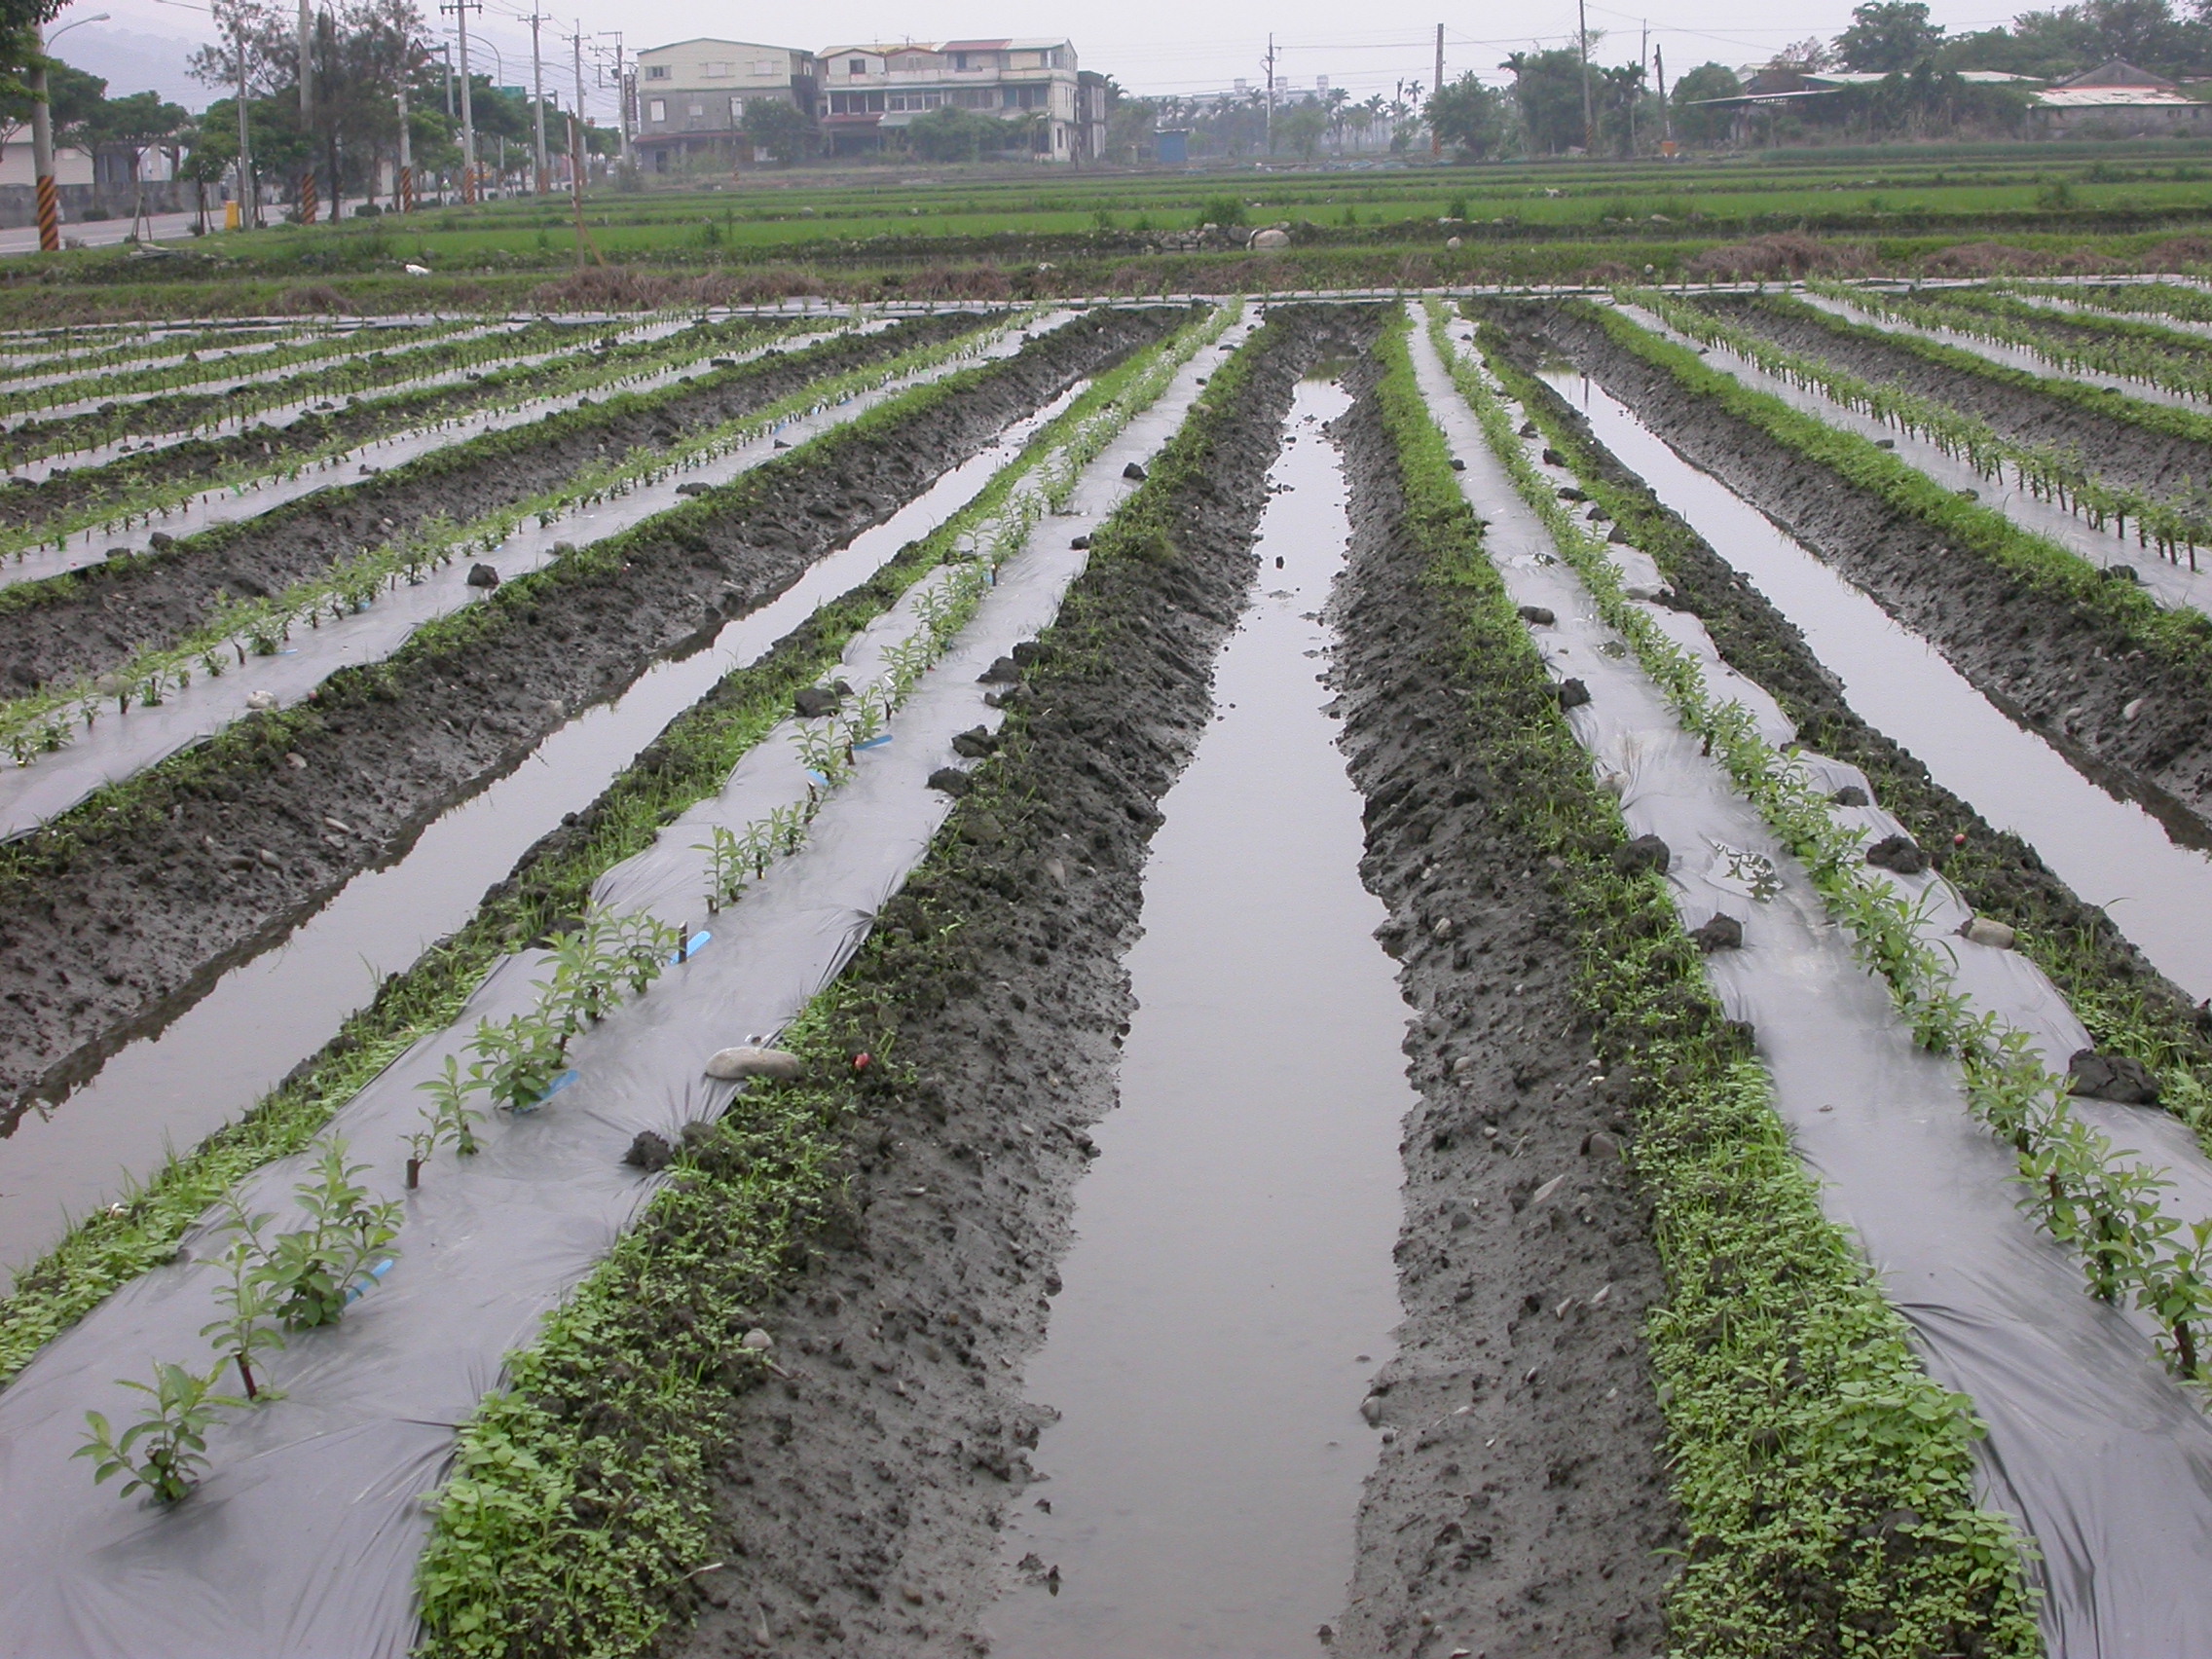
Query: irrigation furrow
185,506
2087,1430
212,414
175,1085
2172,581
2035,362
425,1346
242,832
367,630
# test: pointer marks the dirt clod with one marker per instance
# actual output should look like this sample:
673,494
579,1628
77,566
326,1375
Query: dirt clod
2118,1077
1898,853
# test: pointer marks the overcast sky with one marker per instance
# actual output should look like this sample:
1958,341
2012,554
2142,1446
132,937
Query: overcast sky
1149,46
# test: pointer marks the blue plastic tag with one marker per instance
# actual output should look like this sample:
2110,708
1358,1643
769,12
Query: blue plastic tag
560,1082
691,947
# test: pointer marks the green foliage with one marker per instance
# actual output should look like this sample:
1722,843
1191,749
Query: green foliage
312,1272
165,1449
1222,210
249,1299
1798,1415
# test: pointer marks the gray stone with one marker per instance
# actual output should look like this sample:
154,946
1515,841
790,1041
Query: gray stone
757,1340
2118,1077
1271,239
1644,853
1571,693
1980,930
778,1065
1135,472
1371,1409
483,576
1539,616
261,699
814,701
693,488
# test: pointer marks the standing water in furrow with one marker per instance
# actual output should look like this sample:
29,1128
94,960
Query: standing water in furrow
2107,848
1231,1290
175,1084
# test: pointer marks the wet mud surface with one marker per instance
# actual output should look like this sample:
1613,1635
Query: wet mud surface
97,618
120,925
2116,449
2054,666
862,1498
1520,1508
1520,1499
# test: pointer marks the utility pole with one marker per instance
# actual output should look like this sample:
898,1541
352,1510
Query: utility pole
42,148
308,203
1643,55
406,181
1270,62
461,9
250,192
1665,111
1582,42
1435,92
621,99
537,97
576,136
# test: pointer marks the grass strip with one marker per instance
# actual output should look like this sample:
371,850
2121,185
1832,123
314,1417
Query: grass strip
2117,995
688,761
2176,300
579,1502
2182,638
1800,1425
2083,1189
2164,418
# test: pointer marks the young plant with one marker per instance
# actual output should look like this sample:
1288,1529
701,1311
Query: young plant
449,1116
165,1449
726,862
248,1301
519,1058
312,1270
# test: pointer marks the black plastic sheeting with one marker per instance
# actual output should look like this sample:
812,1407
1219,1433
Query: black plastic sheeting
121,744
2103,1457
303,1539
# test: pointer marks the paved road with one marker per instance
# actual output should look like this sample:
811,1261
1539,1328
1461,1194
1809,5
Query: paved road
107,233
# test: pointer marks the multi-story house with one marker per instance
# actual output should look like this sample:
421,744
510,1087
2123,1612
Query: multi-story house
692,97
869,92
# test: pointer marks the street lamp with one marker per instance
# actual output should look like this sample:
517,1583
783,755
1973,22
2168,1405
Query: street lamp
42,136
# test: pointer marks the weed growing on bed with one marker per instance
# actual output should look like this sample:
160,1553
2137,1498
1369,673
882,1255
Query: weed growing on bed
1798,1416
165,1449
2086,1190
579,1506
691,760
2047,472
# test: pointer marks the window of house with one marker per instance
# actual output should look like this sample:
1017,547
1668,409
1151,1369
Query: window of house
764,66
658,110
718,70
737,111
856,66
1059,57
874,103
656,71
697,109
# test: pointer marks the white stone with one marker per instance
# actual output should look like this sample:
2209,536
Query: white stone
729,1065
261,699
1980,930
1271,239
758,1341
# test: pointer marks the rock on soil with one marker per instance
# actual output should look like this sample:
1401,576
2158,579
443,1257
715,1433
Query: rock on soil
2117,1077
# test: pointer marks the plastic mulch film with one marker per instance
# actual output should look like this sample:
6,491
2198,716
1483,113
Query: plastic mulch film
121,745
2171,584
2103,1456
304,1538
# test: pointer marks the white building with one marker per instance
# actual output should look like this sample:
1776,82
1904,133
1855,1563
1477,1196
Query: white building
870,92
692,97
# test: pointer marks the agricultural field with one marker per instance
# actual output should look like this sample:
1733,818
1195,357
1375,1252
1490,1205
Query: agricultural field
711,955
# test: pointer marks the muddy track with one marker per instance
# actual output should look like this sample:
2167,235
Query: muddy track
861,1500
1529,1525
123,923
92,620
2117,450
2054,667
1999,873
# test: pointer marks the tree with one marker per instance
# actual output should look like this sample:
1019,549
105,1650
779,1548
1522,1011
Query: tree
1548,88
1300,127
1888,36
950,134
1697,120
1806,57
1470,117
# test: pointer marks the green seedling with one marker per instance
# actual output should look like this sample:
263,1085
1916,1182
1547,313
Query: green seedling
164,1451
518,1059
727,859
314,1270
248,1301
449,1116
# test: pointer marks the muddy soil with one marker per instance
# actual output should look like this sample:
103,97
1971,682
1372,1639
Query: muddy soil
2053,665
862,1498
97,618
1529,1525
358,419
122,925
2000,874
2116,449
